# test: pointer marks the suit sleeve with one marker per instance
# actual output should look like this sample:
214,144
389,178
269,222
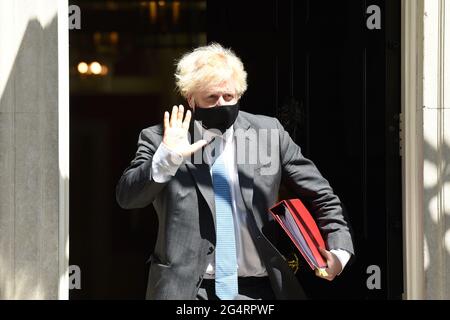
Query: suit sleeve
303,178
137,187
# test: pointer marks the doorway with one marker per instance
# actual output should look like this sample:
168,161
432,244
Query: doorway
333,83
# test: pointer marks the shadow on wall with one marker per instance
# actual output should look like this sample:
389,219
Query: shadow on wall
29,168
436,221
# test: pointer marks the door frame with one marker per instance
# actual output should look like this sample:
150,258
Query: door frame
411,135
412,148
63,148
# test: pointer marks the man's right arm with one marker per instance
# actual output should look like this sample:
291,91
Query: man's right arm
152,168
147,174
165,163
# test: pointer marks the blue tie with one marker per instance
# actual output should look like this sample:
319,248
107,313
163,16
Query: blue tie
226,261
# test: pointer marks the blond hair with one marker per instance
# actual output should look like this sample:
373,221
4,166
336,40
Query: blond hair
209,65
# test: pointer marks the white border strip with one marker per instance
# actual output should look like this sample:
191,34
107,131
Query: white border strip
412,102
63,146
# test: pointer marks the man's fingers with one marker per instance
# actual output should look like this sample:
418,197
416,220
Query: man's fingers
180,116
166,120
326,254
187,120
173,117
196,146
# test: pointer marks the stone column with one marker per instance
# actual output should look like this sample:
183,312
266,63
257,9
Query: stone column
33,178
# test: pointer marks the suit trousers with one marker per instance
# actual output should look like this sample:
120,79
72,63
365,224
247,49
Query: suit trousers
250,288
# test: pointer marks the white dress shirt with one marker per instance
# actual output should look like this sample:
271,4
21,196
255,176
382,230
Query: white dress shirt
165,164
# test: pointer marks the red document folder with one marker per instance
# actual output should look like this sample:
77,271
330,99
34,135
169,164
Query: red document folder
300,226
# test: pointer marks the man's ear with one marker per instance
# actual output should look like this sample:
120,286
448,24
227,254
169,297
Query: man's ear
191,102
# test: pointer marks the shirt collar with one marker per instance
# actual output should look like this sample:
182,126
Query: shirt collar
208,135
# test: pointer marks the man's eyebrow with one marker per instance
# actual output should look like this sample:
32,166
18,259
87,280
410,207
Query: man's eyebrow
215,93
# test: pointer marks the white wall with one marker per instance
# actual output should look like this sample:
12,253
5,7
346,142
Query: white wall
31,240
436,129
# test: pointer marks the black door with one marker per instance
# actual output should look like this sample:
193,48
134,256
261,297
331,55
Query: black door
335,85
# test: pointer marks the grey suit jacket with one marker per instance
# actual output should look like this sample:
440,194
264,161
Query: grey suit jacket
186,210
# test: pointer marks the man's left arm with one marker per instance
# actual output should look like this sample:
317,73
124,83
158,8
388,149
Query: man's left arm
303,177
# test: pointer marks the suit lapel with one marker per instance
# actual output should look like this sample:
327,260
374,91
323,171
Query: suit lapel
246,169
200,171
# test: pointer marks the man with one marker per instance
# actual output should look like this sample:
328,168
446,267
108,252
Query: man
212,183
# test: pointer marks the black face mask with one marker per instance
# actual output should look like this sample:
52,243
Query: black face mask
219,117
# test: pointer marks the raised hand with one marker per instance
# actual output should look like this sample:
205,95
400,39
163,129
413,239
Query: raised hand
176,132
